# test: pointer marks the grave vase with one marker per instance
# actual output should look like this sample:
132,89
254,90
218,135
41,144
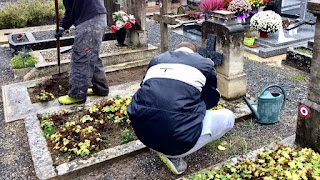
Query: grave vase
121,36
263,34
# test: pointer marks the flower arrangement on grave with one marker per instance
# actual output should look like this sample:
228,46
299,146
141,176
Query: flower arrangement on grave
255,5
211,5
242,8
266,22
122,21
20,37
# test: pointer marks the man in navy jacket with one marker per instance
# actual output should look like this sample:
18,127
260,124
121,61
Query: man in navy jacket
89,18
170,112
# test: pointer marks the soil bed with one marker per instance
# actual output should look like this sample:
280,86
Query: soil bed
106,48
58,85
42,35
79,134
15,36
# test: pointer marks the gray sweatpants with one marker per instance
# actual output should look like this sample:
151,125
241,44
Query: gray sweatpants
86,66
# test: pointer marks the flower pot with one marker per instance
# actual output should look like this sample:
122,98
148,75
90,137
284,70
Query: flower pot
263,34
121,36
248,41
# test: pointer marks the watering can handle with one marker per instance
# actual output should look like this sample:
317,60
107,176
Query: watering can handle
283,92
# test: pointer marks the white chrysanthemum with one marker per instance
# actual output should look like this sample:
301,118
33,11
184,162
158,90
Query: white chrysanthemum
266,21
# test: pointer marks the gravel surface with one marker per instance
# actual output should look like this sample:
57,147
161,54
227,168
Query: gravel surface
15,158
41,35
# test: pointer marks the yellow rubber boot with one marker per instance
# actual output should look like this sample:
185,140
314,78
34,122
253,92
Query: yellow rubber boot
66,100
90,92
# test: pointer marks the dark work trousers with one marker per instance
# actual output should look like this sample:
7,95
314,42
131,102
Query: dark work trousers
86,66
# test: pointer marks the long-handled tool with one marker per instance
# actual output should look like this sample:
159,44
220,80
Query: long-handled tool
57,30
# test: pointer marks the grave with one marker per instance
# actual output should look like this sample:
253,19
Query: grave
113,59
299,58
308,123
36,42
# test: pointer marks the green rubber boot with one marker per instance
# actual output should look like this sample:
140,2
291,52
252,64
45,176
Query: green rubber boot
66,100
90,92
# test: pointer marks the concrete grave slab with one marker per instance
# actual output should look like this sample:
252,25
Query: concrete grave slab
113,59
42,159
17,103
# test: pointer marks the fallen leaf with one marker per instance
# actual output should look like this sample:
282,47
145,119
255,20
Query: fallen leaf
222,148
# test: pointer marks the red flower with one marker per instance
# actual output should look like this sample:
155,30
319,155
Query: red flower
113,29
127,25
20,35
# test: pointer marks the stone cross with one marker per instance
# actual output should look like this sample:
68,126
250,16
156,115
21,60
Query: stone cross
210,51
303,9
308,124
232,81
163,25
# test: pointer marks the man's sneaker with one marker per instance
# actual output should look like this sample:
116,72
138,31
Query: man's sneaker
176,165
66,100
90,92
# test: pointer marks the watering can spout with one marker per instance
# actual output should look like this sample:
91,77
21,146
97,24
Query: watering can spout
252,108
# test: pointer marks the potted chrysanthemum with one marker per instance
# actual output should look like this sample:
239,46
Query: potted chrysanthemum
266,22
123,21
255,5
242,8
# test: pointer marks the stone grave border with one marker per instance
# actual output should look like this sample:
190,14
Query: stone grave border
289,141
47,43
112,61
297,59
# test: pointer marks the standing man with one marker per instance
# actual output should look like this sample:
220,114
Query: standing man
89,18
170,112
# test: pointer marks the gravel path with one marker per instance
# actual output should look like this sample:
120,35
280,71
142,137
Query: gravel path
15,158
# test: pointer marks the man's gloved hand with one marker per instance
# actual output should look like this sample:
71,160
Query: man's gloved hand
59,33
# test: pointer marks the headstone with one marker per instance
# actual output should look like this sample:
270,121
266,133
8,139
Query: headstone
111,6
137,36
232,81
308,124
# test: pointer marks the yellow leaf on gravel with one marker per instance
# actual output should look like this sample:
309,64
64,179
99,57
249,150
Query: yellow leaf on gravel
222,148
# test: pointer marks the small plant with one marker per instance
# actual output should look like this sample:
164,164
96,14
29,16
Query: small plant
255,4
45,96
48,128
126,136
86,118
211,5
298,78
23,60
21,37
266,21
242,8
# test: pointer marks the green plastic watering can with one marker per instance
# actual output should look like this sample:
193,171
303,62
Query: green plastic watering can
269,106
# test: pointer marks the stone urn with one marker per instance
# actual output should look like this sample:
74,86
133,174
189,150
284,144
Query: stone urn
121,36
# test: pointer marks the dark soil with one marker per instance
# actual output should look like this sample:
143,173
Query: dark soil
59,85
49,34
109,132
15,36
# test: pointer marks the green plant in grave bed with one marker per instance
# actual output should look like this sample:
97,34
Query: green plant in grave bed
126,136
45,96
48,128
93,109
24,60
86,118
280,163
